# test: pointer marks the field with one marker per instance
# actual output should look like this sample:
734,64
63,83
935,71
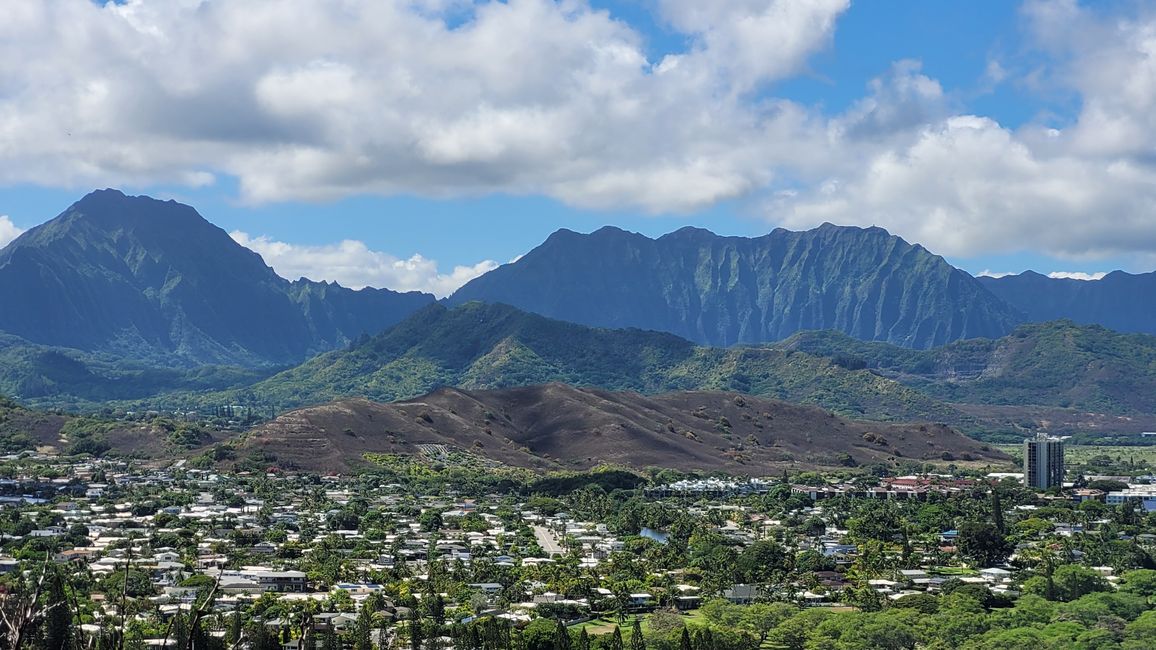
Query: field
1099,458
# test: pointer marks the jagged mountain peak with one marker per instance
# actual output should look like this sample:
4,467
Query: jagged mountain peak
154,280
726,290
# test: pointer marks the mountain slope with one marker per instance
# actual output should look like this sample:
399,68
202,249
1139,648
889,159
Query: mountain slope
1080,369
726,290
64,378
23,429
152,280
481,345
556,426
1120,301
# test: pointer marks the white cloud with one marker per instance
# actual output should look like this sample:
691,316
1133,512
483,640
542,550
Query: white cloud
965,184
1077,275
300,99
744,43
988,273
311,100
352,264
8,230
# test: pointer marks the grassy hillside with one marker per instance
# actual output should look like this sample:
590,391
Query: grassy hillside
478,346
1058,364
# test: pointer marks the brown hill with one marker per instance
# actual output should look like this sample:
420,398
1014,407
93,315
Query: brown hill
556,426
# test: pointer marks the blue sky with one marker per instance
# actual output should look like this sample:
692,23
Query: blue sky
1005,136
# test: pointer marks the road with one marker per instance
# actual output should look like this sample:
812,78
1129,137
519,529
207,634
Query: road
548,542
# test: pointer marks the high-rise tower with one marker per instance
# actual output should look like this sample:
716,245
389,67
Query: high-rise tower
1043,462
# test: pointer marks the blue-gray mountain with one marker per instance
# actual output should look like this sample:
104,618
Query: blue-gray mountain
153,281
1120,301
721,291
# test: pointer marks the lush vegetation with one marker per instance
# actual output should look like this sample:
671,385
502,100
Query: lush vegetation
1059,363
52,377
495,346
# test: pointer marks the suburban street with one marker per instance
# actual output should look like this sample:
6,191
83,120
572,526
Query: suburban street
547,541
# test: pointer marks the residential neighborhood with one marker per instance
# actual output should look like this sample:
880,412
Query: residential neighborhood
264,559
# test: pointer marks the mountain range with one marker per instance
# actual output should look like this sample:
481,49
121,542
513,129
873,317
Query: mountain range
721,291
1121,301
126,298
154,282
1057,376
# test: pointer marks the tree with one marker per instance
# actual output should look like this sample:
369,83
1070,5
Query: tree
762,561
1140,634
139,583
615,642
363,628
1073,581
430,520
761,618
540,634
21,610
233,634
684,640
997,511
57,615
982,544
260,638
1068,583
561,636
721,612
583,640
1140,581
704,639
415,635
793,632
637,642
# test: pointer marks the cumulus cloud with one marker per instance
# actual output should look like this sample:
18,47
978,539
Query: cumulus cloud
8,230
352,264
301,99
966,184
306,100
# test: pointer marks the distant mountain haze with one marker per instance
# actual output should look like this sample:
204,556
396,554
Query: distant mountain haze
1120,301
721,291
153,280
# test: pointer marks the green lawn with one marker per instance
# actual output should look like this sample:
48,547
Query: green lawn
605,625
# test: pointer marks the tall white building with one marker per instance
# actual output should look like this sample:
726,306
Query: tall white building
1043,462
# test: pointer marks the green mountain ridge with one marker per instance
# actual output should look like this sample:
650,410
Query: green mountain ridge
75,380
1059,363
486,346
722,291
1052,376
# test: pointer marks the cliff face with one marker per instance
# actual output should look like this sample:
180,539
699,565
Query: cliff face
726,290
